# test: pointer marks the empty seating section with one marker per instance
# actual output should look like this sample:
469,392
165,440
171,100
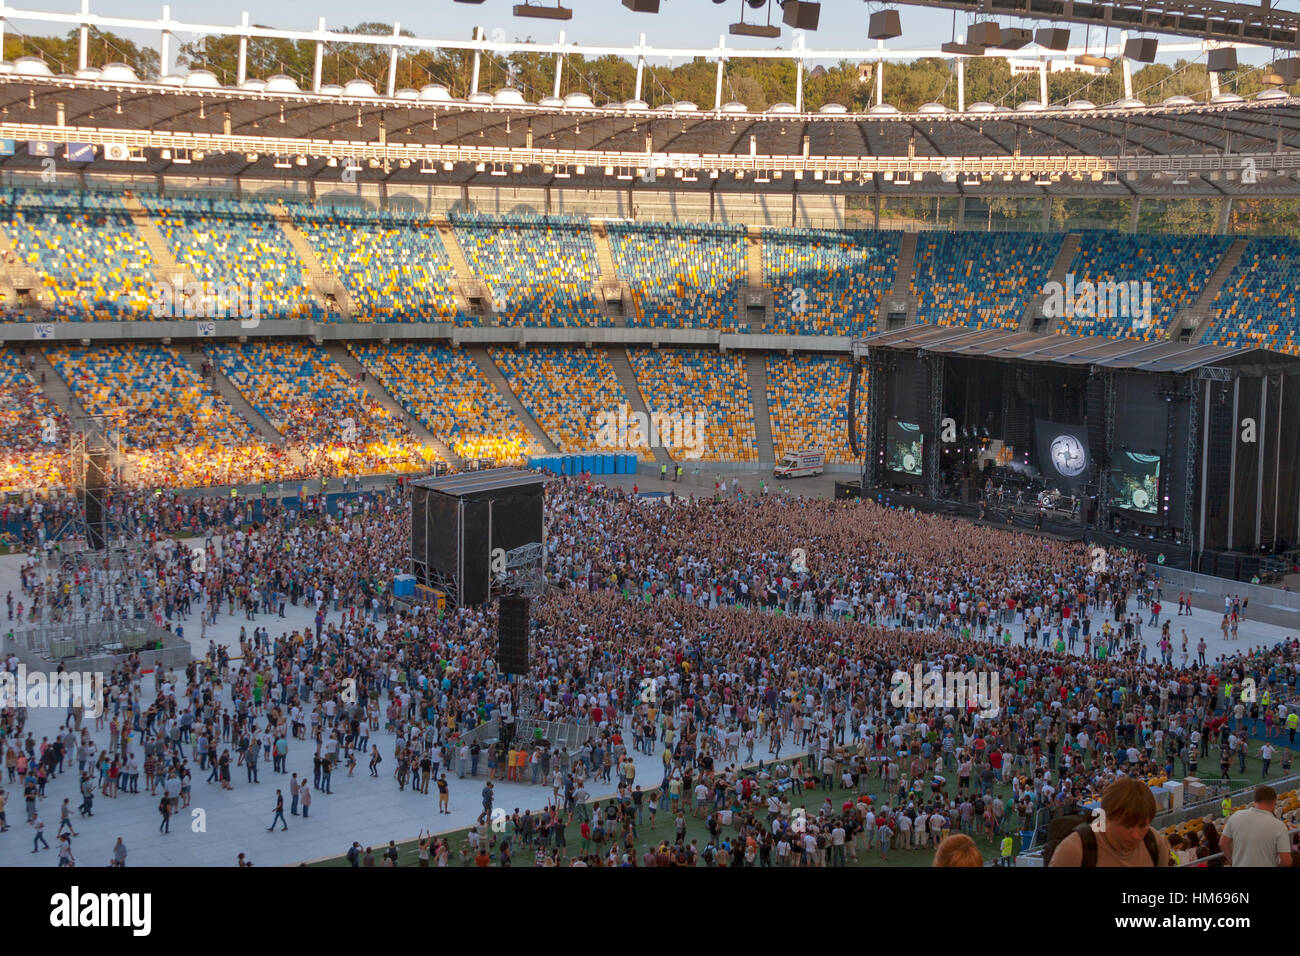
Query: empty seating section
541,270
445,389
828,282
175,429
687,386
320,409
85,251
395,267
33,431
1176,268
225,242
807,398
1257,306
568,391
683,275
980,279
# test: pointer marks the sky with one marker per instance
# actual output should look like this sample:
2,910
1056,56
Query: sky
679,23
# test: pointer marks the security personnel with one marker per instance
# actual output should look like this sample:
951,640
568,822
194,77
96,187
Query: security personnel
1008,845
1293,724
663,472
1225,807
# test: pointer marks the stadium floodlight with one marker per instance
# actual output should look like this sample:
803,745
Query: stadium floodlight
580,170
332,162
480,167
165,154
302,161
556,12
448,166
609,170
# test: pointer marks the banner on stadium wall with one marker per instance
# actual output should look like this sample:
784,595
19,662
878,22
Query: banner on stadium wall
38,147
1063,454
6,147
80,152
117,152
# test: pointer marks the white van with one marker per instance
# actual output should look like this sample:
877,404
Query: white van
798,464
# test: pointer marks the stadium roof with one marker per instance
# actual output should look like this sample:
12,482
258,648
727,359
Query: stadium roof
1161,356
1167,150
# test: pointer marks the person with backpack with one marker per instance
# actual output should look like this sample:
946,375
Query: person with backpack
1121,837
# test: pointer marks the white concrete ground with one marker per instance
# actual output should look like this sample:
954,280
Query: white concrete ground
362,808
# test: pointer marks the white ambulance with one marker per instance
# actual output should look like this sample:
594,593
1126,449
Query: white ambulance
798,464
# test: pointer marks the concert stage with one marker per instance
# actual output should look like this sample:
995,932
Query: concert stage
1174,449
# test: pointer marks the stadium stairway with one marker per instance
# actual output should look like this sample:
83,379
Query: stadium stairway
609,275
489,368
1201,315
1060,269
167,268
226,389
632,389
343,356
327,288
755,290
16,277
900,296
466,282
55,388
756,376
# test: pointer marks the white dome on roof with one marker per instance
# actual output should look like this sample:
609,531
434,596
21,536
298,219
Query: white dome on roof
282,84
331,89
406,94
172,79
1226,98
734,107
358,87
836,108
685,106
32,66
579,101
508,96
635,105
884,109
1081,105
481,98
1128,103
89,73
551,101
933,108
254,86
116,73
981,108
434,93
782,108
203,79
1272,95
1030,106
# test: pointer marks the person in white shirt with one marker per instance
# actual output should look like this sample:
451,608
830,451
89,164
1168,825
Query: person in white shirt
1254,836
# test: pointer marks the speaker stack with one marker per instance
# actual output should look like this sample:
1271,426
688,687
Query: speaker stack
512,635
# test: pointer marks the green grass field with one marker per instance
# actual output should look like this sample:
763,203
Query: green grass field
811,800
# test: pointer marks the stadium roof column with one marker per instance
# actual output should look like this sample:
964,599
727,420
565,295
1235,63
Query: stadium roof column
1135,209
83,38
640,68
1225,210
242,72
961,84
392,61
880,92
478,54
559,68
717,89
320,57
1042,81
164,44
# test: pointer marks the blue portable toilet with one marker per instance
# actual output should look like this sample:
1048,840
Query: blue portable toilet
607,466
566,465
589,463
404,585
